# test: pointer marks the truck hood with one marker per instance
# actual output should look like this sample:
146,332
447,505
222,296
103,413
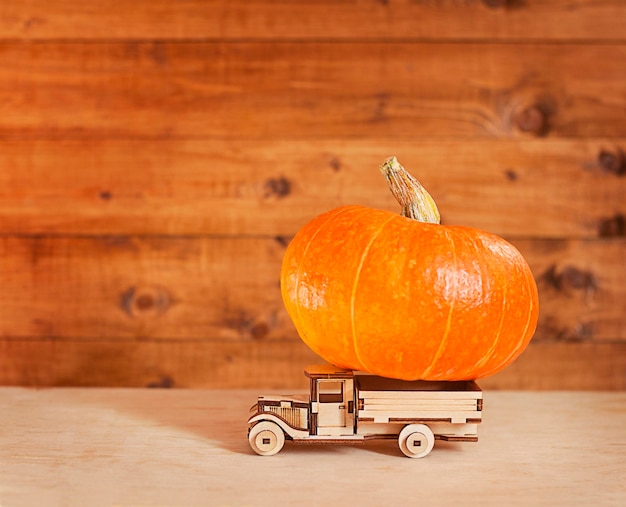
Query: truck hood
295,400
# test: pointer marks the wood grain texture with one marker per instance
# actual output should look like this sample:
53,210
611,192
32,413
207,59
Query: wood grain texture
552,189
130,447
228,288
311,90
156,157
274,364
121,288
315,19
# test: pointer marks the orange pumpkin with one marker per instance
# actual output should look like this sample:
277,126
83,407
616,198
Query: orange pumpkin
397,297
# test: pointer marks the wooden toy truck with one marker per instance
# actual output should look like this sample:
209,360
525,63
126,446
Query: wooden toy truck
349,407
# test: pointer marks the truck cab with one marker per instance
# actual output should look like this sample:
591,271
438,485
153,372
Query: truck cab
348,407
332,401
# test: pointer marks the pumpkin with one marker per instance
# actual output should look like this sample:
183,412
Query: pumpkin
405,297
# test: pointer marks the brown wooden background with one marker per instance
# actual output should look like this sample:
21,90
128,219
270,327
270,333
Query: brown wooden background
157,156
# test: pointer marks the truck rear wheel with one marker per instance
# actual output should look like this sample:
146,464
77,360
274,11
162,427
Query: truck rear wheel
416,440
266,438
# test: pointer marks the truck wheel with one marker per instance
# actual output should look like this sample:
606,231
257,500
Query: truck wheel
266,438
416,440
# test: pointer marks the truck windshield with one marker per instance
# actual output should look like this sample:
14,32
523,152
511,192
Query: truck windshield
330,391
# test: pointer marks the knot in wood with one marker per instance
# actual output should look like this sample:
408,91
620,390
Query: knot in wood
259,331
532,119
612,227
277,187
567,278
145,301
612,162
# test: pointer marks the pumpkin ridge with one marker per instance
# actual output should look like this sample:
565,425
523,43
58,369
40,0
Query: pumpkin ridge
297,281
444,338
489,354
518,349
354,287
477,249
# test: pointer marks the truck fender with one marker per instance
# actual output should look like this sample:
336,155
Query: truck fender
289,431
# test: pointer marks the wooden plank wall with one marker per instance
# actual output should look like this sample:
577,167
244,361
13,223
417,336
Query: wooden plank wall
156,157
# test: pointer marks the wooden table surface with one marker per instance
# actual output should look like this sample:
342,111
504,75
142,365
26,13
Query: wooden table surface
131,447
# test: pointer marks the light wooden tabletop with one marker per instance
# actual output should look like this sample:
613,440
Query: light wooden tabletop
131,447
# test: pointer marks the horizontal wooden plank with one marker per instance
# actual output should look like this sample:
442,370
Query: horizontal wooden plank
557,189
416,405
275,365
439,414
573,366
582,288
314,19
214,364
378,399
122,288
228,288
311,90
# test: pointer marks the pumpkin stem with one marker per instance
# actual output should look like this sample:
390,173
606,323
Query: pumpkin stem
416,202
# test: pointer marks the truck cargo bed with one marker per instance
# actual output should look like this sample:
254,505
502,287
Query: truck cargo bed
382,400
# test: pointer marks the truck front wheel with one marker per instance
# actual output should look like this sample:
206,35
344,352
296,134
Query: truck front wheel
416,440
266,438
